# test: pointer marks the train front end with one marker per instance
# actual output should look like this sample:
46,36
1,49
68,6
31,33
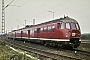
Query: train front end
73,33
70,33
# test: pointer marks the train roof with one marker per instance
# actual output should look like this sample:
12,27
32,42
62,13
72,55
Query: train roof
65,19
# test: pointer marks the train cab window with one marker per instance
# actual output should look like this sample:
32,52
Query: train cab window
53,28
58,26
77,26
67,25
62,25
49,28
73,26
45,29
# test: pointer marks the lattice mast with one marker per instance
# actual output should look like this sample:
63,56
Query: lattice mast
3,18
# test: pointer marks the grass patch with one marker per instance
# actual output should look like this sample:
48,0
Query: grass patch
8,54
1,57
84,46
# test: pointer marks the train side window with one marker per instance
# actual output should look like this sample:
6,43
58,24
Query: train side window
30,31
67,25
35,30
53,28
45,28
49,28
41,29
62,25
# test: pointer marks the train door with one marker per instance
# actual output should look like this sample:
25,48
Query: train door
15,34
38,32
62,31
28,33
21,34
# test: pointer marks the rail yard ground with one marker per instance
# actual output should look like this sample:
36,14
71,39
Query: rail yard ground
6,53
9,54
85,46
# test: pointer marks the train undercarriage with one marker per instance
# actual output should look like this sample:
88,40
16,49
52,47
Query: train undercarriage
73,43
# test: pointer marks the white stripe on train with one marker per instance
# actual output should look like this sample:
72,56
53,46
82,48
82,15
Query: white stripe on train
46,39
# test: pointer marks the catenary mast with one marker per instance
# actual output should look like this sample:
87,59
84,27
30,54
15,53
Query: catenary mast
3,18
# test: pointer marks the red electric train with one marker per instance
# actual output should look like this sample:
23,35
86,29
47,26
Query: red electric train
59,32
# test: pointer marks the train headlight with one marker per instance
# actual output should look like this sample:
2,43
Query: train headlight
66,34
73,34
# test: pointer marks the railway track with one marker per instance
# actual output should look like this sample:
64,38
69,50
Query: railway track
82,52
44,53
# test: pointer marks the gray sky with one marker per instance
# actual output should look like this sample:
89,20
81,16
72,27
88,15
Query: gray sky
38,10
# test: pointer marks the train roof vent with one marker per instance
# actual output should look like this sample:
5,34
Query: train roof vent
27,26
66,16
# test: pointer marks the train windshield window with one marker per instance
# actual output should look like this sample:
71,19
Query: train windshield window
67,26
73,26
77,26
62,25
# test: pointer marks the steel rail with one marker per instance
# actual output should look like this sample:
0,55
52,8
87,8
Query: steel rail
27,48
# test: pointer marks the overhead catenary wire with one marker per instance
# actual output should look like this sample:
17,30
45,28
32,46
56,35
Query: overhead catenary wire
14,5
42,6
59,4
55,7
39,8
18,8
39,13
84,16
83,9
3,15
8,4
78,12
50,8
25,3
20,22
14,13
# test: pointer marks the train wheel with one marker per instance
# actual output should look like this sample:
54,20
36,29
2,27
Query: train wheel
47,44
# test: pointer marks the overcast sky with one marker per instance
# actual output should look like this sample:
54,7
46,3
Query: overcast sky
38,10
